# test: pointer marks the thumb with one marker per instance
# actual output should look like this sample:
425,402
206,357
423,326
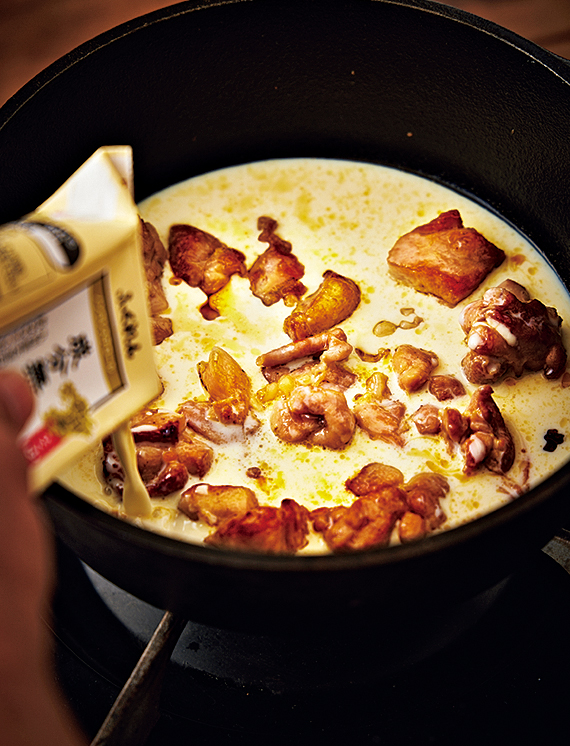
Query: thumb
16,399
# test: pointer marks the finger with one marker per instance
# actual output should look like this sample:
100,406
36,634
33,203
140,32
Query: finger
16,399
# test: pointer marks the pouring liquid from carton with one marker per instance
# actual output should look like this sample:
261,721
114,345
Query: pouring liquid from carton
74,319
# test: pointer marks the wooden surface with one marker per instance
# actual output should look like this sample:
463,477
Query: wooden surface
34,33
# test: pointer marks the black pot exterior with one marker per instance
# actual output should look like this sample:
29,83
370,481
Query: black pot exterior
414,85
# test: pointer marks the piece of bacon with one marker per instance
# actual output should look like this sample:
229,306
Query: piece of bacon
443,258
203,261
282,530
276,273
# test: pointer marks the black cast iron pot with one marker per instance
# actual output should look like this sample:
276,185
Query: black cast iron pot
409,84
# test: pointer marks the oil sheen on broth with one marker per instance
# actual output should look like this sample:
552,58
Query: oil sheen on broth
342,216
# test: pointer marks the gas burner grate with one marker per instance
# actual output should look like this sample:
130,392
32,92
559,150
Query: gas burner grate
138,676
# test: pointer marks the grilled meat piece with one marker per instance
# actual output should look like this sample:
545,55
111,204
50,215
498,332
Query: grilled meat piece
334,301
368,522
282,530
216,503
445,387
489,443
507,332
413,366
275,274
443,258
203,261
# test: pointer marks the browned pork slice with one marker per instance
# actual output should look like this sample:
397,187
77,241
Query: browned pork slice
507,332
336,298
276,273
203,261
282,530
443,258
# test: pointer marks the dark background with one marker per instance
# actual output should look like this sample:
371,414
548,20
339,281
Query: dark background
34,33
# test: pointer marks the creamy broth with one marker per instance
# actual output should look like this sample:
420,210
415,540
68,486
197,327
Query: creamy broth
342,216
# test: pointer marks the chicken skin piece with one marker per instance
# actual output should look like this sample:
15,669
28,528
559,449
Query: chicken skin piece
335,300
443,258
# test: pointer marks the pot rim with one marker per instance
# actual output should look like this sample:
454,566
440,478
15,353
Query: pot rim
556,64
521,507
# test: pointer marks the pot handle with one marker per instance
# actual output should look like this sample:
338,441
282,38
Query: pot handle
559,548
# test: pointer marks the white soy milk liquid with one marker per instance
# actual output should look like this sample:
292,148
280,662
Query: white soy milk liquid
342,216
